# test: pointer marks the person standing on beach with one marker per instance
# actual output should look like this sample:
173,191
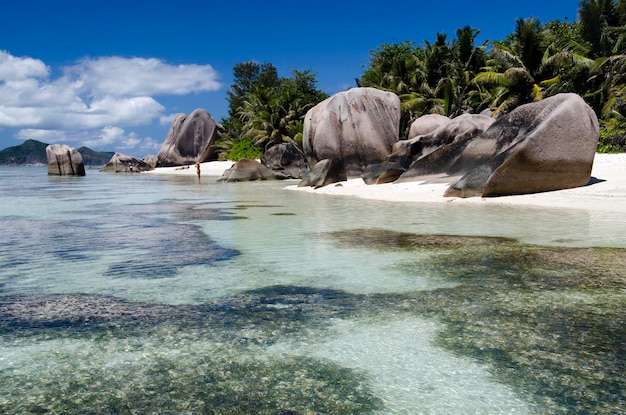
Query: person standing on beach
198,169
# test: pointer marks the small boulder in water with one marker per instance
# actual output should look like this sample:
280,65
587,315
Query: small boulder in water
64,160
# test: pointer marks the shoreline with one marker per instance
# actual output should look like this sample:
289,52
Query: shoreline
607,191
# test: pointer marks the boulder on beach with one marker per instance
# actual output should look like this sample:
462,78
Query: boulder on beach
385,172
246,170
426,124
285,158
542,146
64,160
151,160
191,140
357,127
121,163
323,173
461,128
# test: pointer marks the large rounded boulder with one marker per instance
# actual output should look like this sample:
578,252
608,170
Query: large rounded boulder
191,140
543,146
357,127
64,160
427,124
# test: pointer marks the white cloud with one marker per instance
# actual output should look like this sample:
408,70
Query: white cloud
14,68
119,76
94,99
167,119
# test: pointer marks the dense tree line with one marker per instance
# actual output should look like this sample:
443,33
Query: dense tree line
265,109
456,76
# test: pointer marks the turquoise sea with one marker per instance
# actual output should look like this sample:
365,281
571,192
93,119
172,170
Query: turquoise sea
156,294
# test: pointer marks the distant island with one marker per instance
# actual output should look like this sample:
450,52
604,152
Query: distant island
33,152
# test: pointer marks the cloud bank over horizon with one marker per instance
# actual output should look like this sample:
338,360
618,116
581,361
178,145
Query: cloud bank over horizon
93,100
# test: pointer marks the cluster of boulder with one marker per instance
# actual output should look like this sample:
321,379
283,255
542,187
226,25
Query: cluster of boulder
542,146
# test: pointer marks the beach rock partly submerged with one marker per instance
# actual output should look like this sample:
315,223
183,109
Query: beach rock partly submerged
64,160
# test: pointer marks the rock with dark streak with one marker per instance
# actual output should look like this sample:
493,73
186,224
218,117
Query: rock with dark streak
358,127
191,140
64,160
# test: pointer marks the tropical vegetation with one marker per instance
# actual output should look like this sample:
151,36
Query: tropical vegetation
456,76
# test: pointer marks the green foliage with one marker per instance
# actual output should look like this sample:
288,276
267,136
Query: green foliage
612,136
266,109
451,77
244,148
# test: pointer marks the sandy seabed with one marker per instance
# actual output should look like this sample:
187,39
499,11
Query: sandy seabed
607,191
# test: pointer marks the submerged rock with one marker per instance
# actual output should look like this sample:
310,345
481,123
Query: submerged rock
64,160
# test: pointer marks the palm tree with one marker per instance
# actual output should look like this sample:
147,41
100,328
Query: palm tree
514,70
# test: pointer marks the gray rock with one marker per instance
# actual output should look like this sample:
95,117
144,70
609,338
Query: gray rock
151,160
285,158
246,170
357,127
385,172
64,160
323,173
121,163
427,124
547,145
454,130
191,140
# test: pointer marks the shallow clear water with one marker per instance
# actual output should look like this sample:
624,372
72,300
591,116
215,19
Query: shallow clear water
145,293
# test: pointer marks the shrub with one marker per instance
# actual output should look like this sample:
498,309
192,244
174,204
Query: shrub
244,148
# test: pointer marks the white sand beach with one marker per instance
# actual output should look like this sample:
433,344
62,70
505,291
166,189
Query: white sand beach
606,193
211,168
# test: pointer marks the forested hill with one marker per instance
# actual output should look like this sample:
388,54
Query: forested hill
34,152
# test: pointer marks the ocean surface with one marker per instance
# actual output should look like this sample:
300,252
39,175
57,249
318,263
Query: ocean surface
144,294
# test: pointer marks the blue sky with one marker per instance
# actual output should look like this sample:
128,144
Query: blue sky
111,74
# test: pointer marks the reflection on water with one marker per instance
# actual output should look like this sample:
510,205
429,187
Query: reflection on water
141,294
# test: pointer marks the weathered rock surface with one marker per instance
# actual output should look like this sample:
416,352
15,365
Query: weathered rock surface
357,127
323,173
426,124
385,172
246,170
547,145
454,130
121,163
285,158
191,139
151,160
64,160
